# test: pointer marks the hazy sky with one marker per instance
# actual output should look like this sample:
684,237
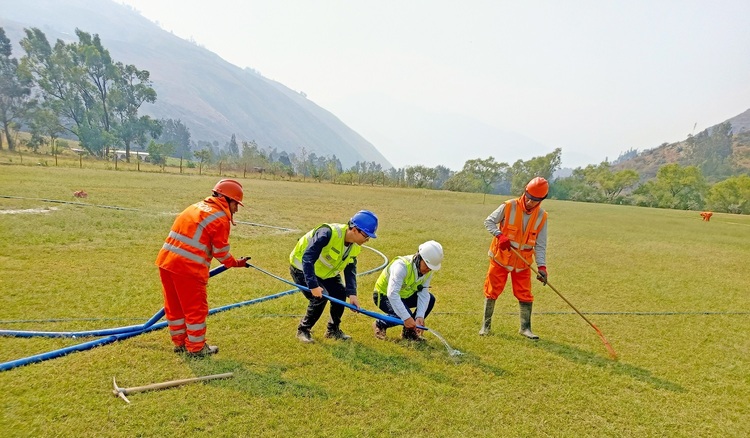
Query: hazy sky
440,82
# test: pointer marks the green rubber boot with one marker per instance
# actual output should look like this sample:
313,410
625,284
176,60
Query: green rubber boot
489,309
525,310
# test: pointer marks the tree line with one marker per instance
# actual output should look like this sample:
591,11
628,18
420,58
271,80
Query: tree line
73,89
77,89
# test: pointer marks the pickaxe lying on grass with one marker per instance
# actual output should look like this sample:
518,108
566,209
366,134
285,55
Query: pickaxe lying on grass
611,350
123,392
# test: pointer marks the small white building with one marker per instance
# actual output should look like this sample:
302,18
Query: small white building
120,154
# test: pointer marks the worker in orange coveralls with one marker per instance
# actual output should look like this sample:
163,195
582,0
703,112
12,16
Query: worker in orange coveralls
520,224
199,234
706,215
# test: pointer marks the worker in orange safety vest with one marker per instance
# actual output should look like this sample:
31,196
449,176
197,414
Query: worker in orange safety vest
520,224
199,234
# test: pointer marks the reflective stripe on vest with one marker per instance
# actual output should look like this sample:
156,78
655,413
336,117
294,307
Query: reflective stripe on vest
411,282
335,255
523,240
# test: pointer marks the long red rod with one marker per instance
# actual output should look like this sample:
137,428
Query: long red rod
611,350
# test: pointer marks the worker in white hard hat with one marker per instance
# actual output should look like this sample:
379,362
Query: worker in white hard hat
405,285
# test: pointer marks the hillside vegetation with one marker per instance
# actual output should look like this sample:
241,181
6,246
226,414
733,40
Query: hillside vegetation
212,97
719,152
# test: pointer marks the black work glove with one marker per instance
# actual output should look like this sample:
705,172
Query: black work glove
542,275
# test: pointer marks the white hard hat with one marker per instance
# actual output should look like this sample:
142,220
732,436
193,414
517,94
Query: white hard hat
432,254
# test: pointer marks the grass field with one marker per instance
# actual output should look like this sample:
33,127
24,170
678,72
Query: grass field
668,291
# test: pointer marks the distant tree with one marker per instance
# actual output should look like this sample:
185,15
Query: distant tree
731,195
675,186
132,89
420,176
42,122
523,171
84,87
711,150
15,91
485,172
284,159
204,157
606,184
625,156
463,181
176,133
159,152
442,174
333,166
101,73
233,149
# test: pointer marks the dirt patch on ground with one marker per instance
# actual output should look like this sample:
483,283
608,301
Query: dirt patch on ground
29,211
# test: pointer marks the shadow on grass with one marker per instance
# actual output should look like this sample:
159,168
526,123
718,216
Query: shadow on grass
473,360
263,384
584,357
359,356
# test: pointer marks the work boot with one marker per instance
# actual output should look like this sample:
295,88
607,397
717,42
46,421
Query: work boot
489,309
179,349
411,335
525,311
379,332
207,350
336,333
304,336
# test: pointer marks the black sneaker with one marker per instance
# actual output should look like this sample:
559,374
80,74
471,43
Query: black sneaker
379,332
179,349
207,350
337,334
304,336
411,335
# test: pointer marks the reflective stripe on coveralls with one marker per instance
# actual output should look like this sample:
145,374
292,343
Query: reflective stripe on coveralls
333,258
199,233
186,309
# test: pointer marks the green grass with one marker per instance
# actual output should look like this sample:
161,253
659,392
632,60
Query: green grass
667,290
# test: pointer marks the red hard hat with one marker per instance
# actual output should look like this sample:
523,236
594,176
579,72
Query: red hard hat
231,189
537,189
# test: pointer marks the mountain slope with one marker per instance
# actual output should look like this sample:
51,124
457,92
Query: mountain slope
718,153
214,98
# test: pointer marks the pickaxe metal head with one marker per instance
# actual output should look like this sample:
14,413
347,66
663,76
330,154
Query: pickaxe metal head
117,391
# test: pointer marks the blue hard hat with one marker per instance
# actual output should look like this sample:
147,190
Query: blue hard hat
366,221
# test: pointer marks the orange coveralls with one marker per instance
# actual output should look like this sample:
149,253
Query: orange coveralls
524,241
200,233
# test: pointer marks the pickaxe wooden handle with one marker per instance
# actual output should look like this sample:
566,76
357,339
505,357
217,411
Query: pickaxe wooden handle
122,392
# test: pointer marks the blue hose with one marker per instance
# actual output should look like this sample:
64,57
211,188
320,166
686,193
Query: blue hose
118,334
106,332
380,316
121,336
